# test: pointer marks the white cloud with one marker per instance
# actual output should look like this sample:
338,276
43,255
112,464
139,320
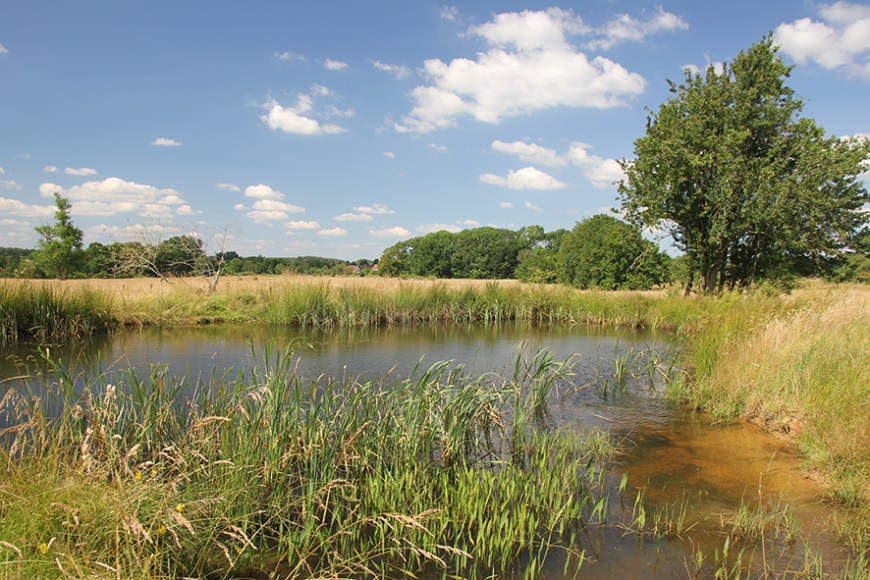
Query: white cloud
15,207
353,217
437,148
334,64
449,12
11,185
320,90
47,169
601,172
287,56
163,141
240,206
389,155
396,232
375,208
332,232
531,206
262,192
292,120
431,228
113,195
3,50
23,155
228,186
397,70
624,27
81,171
505,204
841,42
273,205
264,217
530,66
531,153
333,111
14,223
302,225
186,210
527,178
470,223
2,172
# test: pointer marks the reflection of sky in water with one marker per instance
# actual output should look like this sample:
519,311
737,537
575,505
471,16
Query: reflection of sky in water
675,455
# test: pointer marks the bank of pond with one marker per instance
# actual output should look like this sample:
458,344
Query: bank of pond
539,448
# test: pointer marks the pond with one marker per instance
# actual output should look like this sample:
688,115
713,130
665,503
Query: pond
678,461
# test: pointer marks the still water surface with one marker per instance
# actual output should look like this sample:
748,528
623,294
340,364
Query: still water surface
675,456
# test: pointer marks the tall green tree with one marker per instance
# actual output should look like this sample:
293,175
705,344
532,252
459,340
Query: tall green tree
746,188
59,250
604,252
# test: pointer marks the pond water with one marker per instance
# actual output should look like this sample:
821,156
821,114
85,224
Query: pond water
676,458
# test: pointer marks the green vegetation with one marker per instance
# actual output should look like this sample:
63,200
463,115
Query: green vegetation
603,252
49,313
265,474
746,188
60,246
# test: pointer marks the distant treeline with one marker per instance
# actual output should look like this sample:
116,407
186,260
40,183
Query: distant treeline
175,257
600,252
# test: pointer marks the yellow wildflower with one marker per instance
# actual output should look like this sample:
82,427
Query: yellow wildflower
179,508
43,548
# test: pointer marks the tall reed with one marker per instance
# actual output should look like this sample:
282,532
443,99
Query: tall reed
258,472
49,312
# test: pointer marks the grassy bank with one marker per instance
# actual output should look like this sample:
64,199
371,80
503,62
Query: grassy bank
801,372
264,474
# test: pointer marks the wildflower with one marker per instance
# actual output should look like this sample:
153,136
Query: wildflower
161,531
43,548
138,476
179,508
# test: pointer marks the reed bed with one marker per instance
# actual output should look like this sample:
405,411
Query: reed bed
52,312
258,474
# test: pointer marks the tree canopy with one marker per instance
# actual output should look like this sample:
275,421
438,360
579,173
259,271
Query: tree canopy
59,250
604,252
746,188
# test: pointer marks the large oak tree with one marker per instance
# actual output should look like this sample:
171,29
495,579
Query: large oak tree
746,187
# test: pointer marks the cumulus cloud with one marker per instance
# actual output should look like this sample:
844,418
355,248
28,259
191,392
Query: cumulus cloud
83,171
531,153
334,64
431,228
23,155
2,172
15,207
262,192
228,186
113,195
273,205
396,232
301,225
332,232
376,208
601,172
624,28
14,223
505,204
840,41
531,206
3,50
11,185
353,217
530,66
527,178
397,70
47,169
437,148
186,210
470,223
389,155
293,119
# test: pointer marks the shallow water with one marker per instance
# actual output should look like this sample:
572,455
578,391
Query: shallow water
679,459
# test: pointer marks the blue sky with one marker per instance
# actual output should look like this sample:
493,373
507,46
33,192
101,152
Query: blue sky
338,128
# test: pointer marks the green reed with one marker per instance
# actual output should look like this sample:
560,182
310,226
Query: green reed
257,472
45,312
